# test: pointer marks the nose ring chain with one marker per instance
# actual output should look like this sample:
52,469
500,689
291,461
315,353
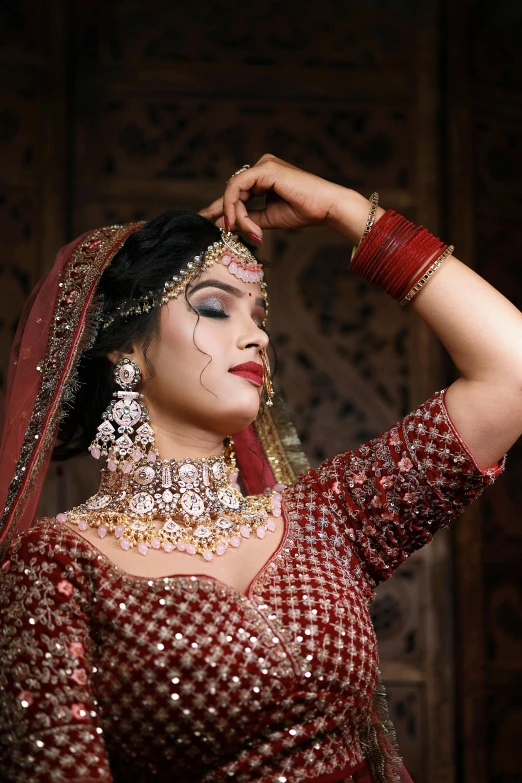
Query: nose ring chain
267,377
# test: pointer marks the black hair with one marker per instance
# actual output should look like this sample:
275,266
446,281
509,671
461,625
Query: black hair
148,258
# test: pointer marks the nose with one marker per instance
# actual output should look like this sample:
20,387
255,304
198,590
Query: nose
252,336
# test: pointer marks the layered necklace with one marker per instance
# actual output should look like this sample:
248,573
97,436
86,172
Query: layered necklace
198,502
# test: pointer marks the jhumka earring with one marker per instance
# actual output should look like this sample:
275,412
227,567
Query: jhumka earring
267,377
116,437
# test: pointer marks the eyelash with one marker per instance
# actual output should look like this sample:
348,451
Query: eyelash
211,312
214,312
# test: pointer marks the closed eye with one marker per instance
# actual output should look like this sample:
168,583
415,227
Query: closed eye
210,307
211,312
213,307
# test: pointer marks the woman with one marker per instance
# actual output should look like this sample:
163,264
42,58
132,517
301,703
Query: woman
190,622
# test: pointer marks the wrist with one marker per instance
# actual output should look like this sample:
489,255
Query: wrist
349,214
395,253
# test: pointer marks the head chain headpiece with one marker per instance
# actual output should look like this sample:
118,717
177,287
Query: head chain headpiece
229,251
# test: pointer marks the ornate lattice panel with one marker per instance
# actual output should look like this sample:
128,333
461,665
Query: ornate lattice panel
486,164
165,106
362,35
344,369
32,156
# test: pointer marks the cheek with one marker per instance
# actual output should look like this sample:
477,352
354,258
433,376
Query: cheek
186,347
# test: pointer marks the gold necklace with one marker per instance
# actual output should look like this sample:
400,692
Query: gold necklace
198,500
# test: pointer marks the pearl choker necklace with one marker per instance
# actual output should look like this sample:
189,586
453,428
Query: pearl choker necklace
198,500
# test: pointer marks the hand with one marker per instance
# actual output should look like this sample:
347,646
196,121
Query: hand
294,199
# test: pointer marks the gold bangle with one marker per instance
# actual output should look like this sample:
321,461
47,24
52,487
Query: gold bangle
427,275
374,203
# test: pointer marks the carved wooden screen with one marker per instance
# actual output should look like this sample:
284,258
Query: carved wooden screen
485,188
155,111
168,106
33,131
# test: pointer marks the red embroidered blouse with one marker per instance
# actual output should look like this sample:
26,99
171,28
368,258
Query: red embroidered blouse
109,677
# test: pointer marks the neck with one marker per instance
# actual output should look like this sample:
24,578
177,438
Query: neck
183,441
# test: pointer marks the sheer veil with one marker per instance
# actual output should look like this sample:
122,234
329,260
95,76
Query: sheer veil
58,324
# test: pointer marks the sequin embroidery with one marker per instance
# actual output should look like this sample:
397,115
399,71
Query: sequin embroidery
100,670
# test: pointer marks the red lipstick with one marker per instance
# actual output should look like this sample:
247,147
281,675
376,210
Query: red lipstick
252,371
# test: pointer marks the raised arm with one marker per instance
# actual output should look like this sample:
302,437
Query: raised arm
480,328
379,504
482,331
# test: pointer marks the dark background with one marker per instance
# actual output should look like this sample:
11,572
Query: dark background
118,109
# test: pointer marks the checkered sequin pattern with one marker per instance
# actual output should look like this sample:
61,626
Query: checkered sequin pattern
106,676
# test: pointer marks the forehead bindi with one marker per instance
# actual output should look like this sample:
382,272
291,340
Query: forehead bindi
220,276
229,286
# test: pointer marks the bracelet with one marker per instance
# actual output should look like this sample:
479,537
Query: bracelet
395,252
374,203
427,275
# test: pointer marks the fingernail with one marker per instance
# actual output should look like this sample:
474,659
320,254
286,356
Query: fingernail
227,224
255,238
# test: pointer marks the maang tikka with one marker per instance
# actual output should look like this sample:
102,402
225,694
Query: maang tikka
116,438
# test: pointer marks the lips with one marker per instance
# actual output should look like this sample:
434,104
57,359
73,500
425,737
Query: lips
252,371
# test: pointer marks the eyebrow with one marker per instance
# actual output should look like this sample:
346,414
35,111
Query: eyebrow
229,289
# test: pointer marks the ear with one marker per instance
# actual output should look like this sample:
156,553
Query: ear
116,356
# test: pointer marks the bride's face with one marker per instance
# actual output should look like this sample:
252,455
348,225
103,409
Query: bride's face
197,346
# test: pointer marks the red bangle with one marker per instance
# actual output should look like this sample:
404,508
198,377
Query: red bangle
395,253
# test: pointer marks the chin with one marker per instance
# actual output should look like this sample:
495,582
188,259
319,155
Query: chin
243,413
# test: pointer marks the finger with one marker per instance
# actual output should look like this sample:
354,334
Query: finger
245,224
259,179
269,158
260,219
213,210
264,217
